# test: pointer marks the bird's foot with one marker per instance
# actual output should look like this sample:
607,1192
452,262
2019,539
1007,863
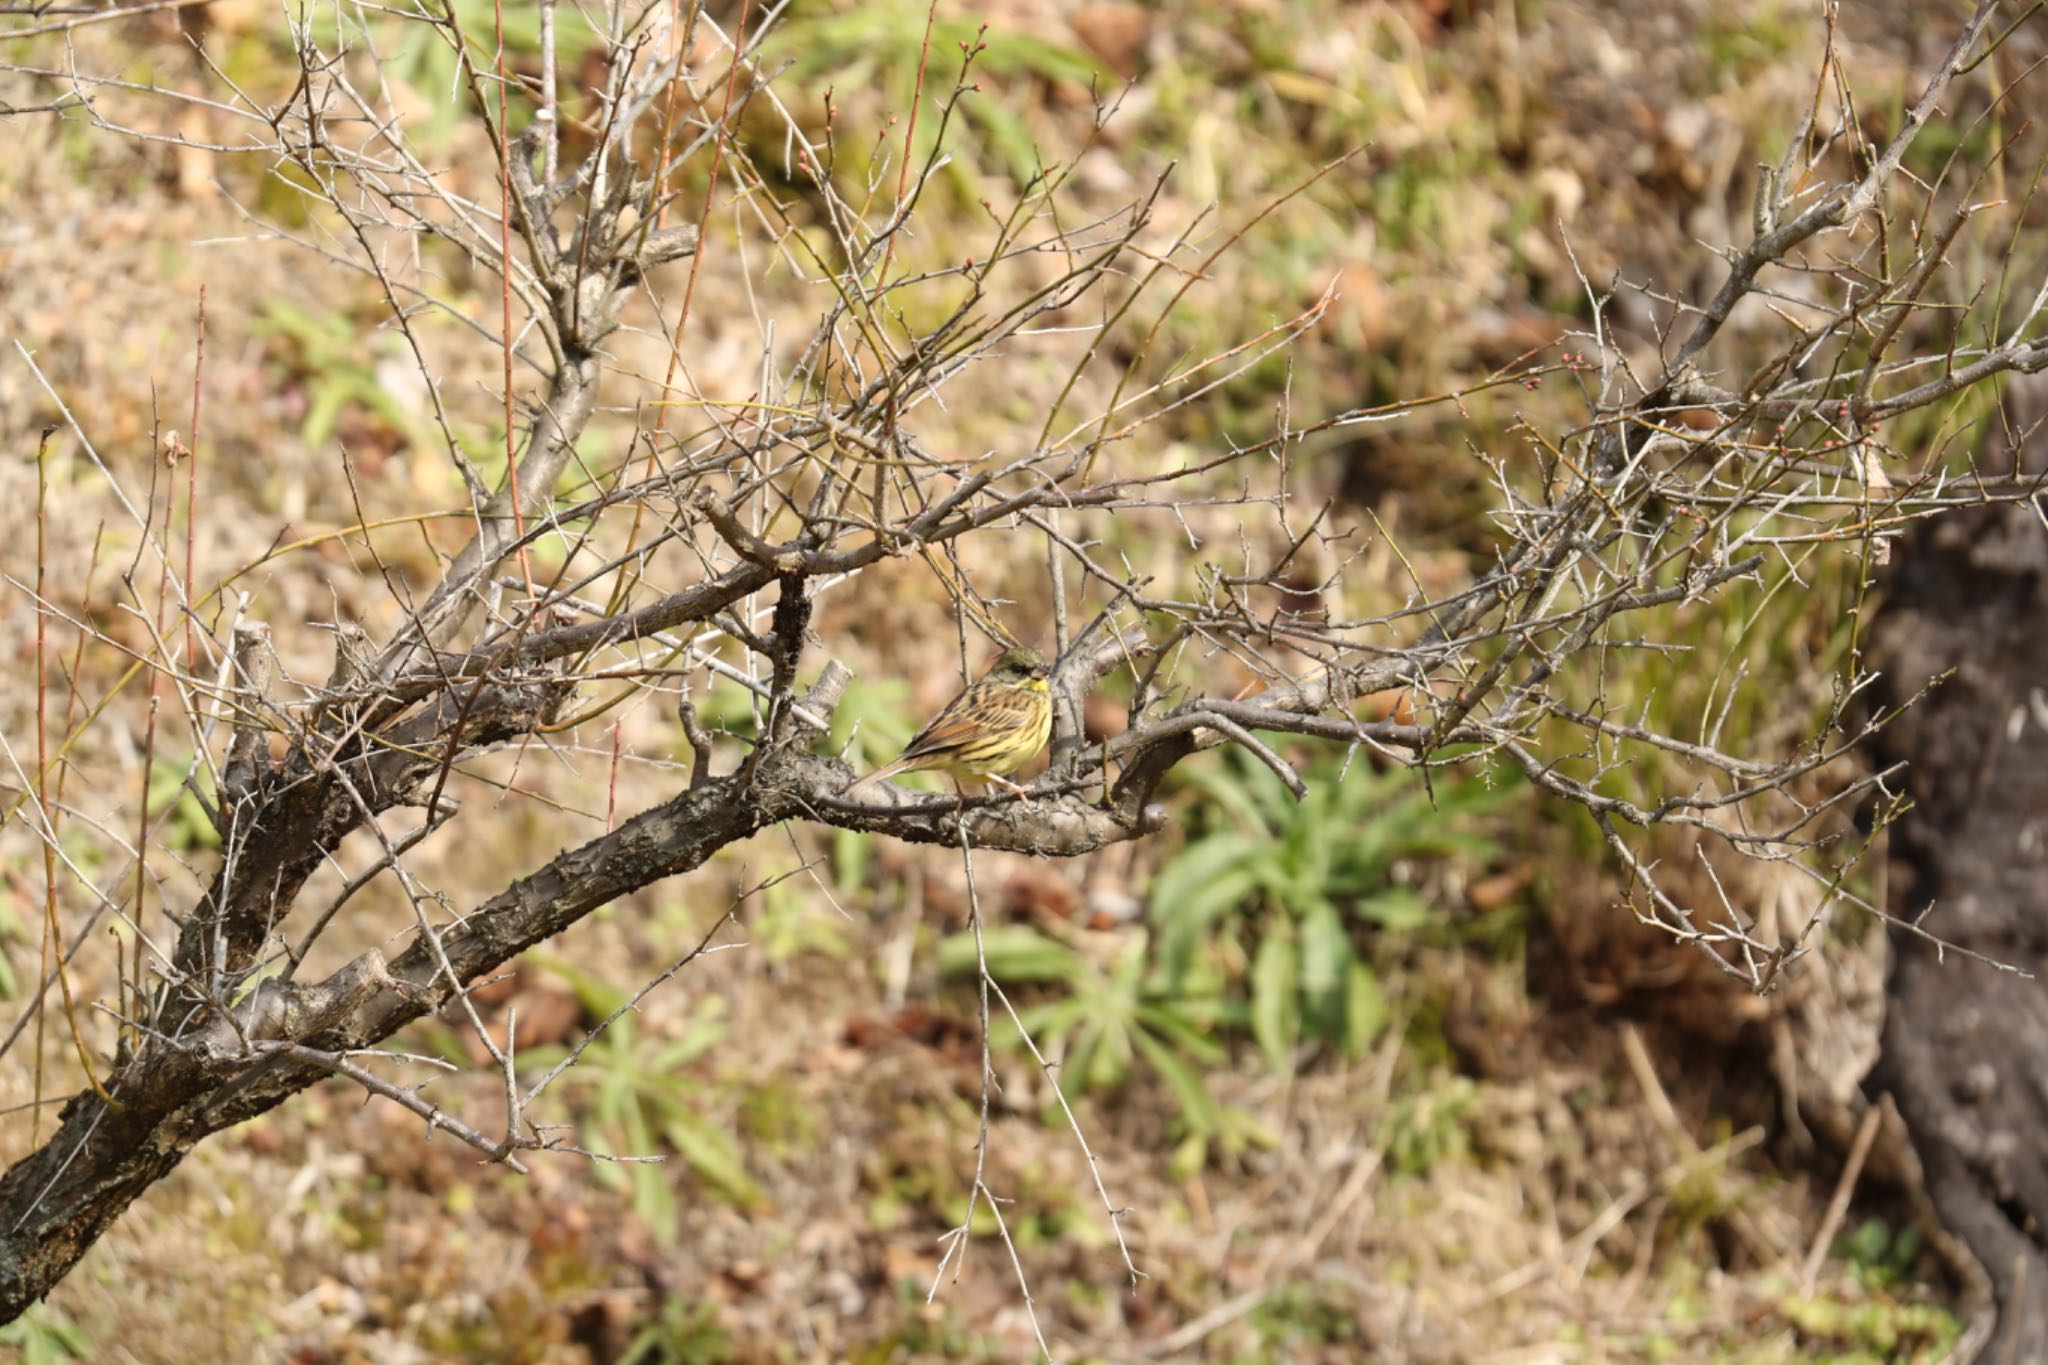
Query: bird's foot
1022,794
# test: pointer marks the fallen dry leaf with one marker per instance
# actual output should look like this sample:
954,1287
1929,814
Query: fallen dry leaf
1117,33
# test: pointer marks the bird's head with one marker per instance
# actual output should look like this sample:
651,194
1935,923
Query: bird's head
1019,667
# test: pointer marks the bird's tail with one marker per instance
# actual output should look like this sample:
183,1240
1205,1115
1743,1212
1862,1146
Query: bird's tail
885,771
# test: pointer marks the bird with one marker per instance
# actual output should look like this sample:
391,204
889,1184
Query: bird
987,732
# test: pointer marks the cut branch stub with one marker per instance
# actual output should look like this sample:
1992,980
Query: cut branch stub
255,665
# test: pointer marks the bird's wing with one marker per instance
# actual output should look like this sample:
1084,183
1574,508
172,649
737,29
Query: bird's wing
1011,708
945,731
977,714
941,734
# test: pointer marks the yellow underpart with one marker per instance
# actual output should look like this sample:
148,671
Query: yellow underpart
1000,754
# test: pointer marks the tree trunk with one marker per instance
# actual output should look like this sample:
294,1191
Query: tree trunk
1965,1045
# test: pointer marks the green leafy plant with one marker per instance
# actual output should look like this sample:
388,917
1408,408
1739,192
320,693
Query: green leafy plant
1871,1331
1109,1020
640,1097
790,923
927,1332
1878,1258
1428,1127
327,353
873,722
871,726
883,44
1300,1315
44,1336
13,930
1299,878
422,56
188,826
684,1332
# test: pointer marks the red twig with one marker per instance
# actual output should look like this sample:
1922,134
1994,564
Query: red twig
732,77
53,939
924,52
43,766
611,795
192,476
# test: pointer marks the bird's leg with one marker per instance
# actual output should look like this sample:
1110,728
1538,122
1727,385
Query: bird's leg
1021,793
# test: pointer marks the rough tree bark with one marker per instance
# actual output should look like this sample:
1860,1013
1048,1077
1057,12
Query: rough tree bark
1966,1047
